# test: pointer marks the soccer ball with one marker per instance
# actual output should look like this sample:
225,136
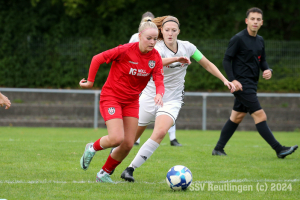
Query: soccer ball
179,177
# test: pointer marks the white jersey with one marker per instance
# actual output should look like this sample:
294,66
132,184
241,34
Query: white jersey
134,38
174,73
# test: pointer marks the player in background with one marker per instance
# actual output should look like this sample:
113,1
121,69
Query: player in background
243,60
164,117
4,101
172,130
132,66
135,37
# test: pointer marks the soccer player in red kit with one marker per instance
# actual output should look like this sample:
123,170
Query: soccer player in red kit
132,67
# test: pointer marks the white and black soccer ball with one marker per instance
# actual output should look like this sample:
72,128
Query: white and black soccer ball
179,177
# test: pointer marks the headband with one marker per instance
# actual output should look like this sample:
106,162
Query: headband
170,21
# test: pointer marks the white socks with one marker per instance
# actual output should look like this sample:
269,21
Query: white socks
138,140
144,153
171,132
101,173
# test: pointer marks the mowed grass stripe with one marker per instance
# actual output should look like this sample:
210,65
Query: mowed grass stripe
43,163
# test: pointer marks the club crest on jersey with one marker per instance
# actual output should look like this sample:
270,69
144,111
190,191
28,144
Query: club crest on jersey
111,110
151,64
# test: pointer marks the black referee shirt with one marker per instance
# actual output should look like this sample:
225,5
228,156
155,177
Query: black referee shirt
244,57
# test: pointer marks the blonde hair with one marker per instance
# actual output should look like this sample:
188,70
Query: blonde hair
160,21
146,23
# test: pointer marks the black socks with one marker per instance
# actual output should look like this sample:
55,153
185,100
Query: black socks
266,133
262,127
226,133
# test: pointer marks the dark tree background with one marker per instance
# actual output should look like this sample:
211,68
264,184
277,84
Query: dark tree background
49,43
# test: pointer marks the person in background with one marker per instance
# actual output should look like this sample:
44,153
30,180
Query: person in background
4,101
243,60
172,130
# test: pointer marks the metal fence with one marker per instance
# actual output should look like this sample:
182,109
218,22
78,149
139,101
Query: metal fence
96,93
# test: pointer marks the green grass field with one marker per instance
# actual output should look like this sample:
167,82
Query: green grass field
43,163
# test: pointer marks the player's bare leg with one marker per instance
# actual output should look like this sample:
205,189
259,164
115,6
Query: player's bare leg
114,138
117,156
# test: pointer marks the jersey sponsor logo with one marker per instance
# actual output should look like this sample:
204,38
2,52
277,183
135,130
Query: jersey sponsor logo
179,65
136,63
111,110
138,72
151,64
132,71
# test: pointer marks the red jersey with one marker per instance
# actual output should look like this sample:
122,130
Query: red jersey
130,71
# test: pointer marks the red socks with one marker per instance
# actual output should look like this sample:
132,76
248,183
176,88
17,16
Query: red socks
97,145
110,164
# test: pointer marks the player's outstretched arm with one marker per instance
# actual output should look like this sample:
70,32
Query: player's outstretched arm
4,101
211,68
95,64
181,59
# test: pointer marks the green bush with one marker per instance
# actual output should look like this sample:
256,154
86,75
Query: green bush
50,44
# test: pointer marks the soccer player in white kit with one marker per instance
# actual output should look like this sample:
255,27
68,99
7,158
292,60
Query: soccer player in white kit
164,117
172,130
4,101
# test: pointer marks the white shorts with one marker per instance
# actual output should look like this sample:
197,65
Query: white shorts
148,111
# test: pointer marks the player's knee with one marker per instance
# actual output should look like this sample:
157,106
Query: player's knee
160,133
264,116
116,141
237,118
127,146
259,115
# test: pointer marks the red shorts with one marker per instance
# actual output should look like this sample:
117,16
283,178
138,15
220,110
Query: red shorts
111,109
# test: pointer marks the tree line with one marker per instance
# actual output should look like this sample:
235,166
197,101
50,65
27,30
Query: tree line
50,43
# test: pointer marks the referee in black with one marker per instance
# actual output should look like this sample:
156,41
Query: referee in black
244,58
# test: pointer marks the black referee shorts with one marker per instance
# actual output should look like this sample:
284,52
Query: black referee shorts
246,102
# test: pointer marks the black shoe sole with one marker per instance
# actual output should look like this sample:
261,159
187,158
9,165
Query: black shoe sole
217,153
176,145
283,156
131,179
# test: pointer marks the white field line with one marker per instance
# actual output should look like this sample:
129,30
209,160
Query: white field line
144,182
